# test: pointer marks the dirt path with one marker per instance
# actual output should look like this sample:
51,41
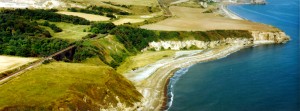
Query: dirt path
165,8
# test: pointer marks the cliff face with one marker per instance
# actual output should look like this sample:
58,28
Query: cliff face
258,38
269,37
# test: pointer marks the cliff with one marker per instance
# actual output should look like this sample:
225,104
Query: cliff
258,38
269,37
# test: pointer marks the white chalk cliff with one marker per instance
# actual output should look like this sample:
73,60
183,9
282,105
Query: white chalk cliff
269,37
258,38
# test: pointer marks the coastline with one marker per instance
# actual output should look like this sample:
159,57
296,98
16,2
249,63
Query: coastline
155,88
228,13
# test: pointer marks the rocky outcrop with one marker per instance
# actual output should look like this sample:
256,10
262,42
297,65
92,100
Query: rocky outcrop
258,38
269,37
178,45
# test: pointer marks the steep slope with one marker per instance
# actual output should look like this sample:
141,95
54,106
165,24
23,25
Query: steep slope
68,86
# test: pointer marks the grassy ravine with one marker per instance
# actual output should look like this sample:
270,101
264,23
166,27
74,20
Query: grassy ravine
68,86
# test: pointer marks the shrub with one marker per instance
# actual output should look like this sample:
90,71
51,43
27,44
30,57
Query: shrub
102,28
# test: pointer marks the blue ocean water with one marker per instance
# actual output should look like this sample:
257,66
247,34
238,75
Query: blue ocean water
261,78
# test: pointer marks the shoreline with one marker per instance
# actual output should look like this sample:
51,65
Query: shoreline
228,13
164,105
155,88
165,90
172,73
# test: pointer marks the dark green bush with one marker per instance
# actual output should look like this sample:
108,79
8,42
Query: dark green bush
102,28
21,37
49,15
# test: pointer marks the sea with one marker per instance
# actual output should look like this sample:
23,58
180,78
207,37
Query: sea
259,78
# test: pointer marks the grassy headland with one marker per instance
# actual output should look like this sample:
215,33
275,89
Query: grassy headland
71,86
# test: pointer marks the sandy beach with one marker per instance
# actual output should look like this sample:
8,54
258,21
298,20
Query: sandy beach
229,14
152,79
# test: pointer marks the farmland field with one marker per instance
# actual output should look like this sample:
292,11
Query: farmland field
11,62
192,19
90,17
127,20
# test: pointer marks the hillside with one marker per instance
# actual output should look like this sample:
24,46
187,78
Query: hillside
68,86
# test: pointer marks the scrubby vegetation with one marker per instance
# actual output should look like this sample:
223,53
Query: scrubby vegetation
86,50
52,26
124,6
134,39
108,50
102,28
26,46
22,37
12,26
97,10
49,15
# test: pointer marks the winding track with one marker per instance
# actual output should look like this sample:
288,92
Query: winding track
165,8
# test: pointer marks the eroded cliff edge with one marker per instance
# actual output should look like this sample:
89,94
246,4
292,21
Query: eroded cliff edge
258,38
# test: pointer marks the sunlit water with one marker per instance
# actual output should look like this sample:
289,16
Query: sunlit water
262,78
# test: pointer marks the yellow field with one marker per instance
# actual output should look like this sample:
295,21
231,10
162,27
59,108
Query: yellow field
90,17
125,2
192,19
11,62
127,20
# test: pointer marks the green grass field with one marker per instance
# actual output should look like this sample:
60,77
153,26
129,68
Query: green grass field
70,31
53,84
